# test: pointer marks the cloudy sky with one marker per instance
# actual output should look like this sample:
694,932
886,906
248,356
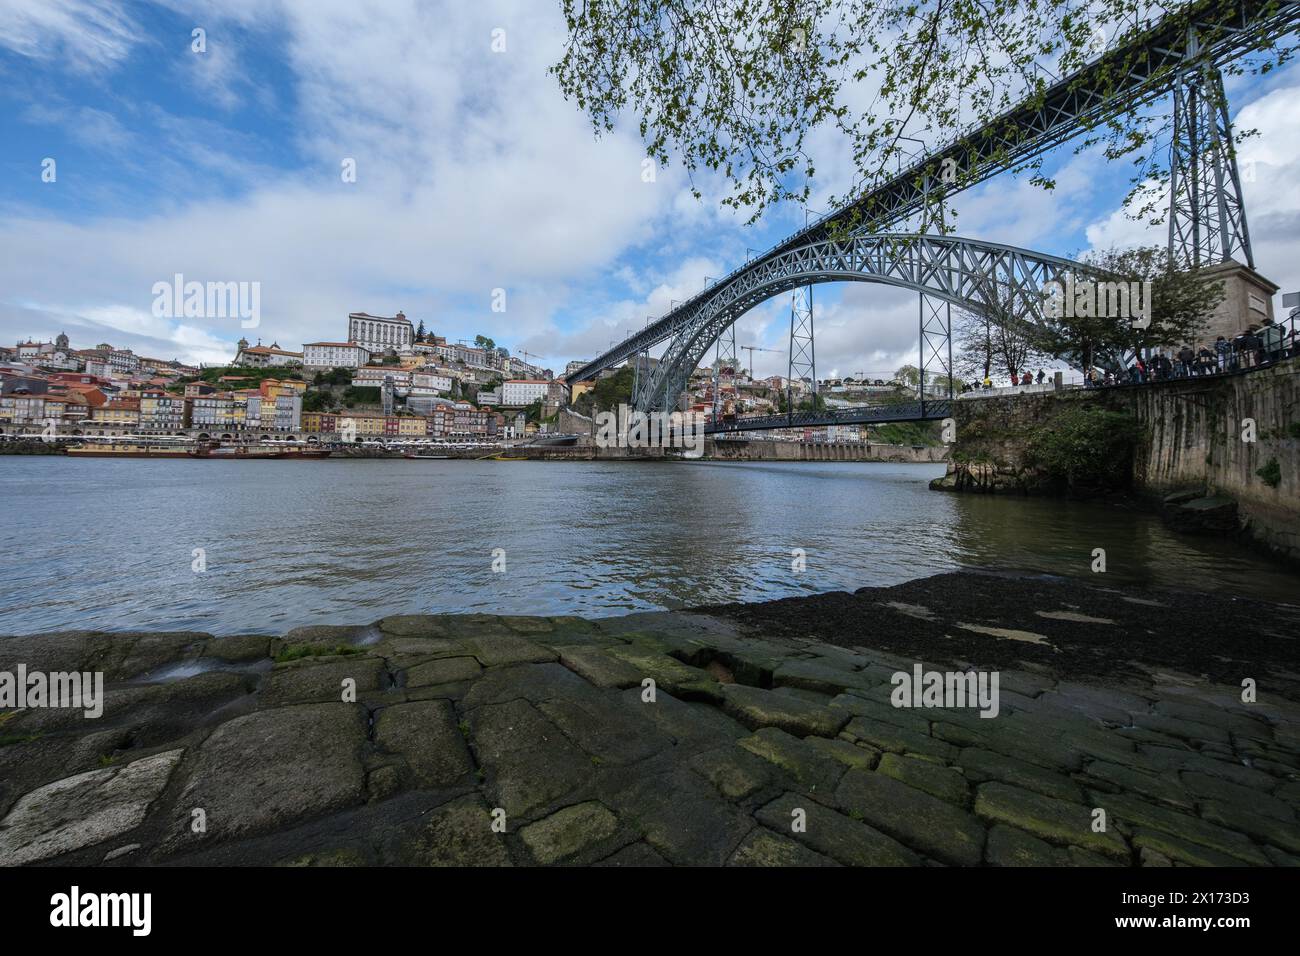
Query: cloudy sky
472,174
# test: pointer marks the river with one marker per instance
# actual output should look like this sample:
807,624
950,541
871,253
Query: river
113,543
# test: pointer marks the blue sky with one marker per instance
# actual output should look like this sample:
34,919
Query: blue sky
473,174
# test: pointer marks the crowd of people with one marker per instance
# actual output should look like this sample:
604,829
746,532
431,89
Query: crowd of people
1257,346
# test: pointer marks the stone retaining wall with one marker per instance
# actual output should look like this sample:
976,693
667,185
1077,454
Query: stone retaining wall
1212,434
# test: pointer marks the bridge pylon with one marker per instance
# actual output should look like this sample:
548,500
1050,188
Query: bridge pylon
803,361
936,342
726,353
723,357
1207,216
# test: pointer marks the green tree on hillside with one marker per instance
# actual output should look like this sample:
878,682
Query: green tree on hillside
608,392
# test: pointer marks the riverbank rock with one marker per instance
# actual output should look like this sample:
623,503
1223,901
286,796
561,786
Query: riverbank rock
83,810
745,735
1193,512
987,477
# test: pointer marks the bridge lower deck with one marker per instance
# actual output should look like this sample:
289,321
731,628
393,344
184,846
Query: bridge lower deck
924,411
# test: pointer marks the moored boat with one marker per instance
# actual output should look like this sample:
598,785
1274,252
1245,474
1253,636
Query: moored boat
128,450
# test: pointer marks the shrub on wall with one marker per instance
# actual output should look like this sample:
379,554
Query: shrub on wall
1086,448
1271,473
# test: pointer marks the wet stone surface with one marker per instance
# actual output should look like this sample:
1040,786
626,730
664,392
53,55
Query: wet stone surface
721,738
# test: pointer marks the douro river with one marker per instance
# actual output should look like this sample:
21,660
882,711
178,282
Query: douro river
262,546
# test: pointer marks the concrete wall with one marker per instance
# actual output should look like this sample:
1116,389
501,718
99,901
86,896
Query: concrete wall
570,422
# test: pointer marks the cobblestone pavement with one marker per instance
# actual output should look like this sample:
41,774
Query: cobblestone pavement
480,740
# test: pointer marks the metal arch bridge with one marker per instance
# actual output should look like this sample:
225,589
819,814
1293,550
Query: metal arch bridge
1207,223
959,271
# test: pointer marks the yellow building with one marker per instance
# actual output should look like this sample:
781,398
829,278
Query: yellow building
368,425
580,388
121,412
273,388
315,421
412,426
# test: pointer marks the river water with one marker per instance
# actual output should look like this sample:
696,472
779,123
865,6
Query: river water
111,543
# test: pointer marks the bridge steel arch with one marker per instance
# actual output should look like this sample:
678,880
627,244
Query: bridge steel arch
961,271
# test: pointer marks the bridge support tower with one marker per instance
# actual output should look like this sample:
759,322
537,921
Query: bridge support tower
1207,213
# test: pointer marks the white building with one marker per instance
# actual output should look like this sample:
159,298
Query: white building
326,355
124,361
844,433
288,413
214,411
59,361
372,376
379,334
518,392
430,382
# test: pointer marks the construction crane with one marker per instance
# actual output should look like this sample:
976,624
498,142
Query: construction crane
717,376
751,349
527,354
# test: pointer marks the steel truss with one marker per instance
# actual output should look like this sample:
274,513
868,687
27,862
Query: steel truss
957,271
1207,218
1134,73
724,357
726,354
802,366
935,342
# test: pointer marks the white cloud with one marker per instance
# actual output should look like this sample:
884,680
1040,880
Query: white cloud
86,35
472,174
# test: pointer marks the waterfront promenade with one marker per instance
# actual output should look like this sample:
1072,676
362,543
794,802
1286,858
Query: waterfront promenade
770,737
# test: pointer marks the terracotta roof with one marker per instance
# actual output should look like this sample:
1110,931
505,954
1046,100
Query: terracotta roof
267,350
